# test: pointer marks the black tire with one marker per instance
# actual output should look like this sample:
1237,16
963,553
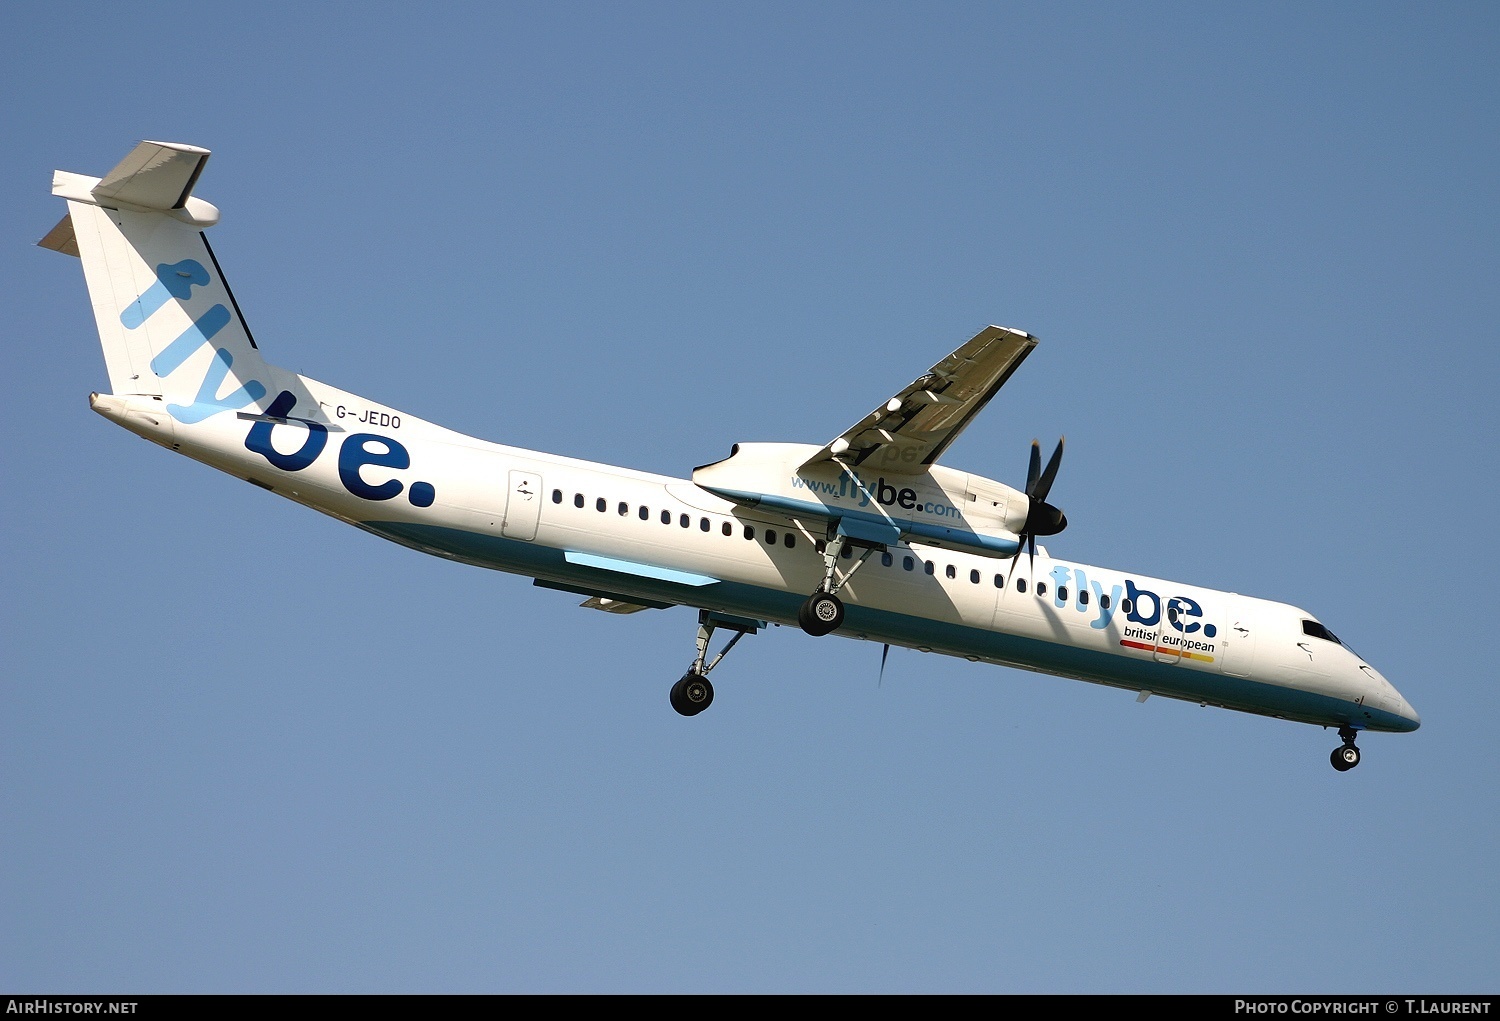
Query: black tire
1344,758
821,614
691,695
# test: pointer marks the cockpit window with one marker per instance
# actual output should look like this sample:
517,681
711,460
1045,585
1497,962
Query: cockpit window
1312,627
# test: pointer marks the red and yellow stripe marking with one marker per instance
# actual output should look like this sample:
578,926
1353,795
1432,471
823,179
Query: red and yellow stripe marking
1148,647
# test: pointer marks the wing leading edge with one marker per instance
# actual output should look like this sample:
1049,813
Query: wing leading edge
908,433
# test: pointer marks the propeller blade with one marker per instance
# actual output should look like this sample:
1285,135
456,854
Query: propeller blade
1044,484
1041,517
883,654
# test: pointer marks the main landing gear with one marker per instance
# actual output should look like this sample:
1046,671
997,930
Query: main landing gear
693,694
1346,756
823,611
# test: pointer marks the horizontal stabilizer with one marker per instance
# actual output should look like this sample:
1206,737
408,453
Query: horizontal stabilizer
155,175
61,238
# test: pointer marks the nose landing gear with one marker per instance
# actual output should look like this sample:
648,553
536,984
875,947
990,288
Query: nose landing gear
1346,756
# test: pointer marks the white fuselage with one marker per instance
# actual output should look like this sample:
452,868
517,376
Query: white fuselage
654,540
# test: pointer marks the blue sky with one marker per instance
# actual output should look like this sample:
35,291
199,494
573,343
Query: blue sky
244,748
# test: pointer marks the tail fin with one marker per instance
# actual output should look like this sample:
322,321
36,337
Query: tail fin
167,320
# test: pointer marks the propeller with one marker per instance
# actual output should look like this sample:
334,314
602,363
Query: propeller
1041,517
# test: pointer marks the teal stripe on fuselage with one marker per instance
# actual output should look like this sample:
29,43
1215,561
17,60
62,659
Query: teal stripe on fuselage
1165,679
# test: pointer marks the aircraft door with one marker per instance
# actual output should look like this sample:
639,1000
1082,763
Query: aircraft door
523,506
1239,639
1167,653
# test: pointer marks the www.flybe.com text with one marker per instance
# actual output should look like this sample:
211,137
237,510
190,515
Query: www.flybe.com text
882,493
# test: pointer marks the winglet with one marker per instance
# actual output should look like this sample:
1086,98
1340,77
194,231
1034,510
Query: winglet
154,177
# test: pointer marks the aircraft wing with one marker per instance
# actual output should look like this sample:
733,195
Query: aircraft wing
908,433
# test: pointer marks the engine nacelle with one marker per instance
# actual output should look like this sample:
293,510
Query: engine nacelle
940,507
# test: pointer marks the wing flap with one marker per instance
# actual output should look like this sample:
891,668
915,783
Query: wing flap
609,605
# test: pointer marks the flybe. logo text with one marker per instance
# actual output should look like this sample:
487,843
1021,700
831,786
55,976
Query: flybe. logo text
356,452
177,280
1171,624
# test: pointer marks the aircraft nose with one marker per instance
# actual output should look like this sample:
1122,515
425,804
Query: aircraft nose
1395,712
1409,714
1405,718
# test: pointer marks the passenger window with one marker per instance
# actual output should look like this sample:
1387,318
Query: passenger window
1126,605
974,577
750,532
645,513
703,525
770,537
577,499
886,560
1041,588
557,496
907,563
624,508
685,521
928,568
1020,584
789,540
600,504
1083,597
666,517
999,581
1062,593
728,528
952,572
1104,602
848,551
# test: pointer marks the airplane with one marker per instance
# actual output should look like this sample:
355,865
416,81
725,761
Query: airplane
866,536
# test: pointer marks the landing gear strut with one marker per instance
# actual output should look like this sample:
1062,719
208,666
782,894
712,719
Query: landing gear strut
693,694
824,611
1346,756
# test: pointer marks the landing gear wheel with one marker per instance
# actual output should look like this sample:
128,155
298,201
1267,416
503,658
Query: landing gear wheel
691,695
821,614
1344,758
